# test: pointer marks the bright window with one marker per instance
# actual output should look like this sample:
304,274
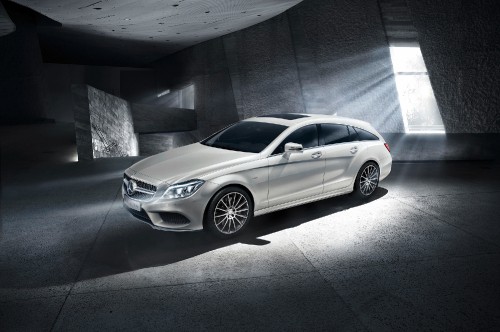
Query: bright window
418,103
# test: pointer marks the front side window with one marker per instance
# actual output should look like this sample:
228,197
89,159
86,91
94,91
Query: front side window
245,136
307,136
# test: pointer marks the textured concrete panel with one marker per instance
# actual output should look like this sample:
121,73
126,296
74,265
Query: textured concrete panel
263,70
157,119
104,124
461,45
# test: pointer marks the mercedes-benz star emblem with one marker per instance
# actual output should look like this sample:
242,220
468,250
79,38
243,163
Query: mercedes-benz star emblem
131,186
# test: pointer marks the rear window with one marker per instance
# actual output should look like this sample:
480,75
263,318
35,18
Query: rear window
365,135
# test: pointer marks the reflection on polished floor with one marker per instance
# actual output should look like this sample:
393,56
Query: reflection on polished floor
424,253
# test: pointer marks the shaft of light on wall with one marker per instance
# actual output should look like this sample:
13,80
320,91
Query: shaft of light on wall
161,94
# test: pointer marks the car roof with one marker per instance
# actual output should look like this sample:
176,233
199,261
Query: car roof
292,119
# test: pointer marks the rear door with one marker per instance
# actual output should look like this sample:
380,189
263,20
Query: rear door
296,175
341,147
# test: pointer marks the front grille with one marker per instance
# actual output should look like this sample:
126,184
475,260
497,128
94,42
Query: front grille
141,184
144,191
139,196
174,218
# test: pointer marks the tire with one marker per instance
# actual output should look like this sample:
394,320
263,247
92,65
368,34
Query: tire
229,212
367,180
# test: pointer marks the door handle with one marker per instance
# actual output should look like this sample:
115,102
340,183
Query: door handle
316,155
354,150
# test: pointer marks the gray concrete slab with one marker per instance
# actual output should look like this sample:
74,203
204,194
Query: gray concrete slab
129,254
49,220
475,213
422,254
437,294
381,231
30,315
294,302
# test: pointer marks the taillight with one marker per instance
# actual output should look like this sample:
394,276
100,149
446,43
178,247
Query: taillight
387,147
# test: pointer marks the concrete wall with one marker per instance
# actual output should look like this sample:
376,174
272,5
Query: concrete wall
332,57
150,144
21,80
262,68
205,66
159,119
104,125
321,56
460,43
443,147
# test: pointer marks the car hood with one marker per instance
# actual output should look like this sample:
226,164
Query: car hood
192,161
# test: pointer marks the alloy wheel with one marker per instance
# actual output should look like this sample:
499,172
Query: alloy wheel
369,180
231,213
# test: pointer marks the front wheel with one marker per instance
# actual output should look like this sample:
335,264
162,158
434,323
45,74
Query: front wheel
366,180
229,212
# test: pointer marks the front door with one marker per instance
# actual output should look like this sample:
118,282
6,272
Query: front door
296,175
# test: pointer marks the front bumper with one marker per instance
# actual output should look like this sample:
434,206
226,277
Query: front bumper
180,215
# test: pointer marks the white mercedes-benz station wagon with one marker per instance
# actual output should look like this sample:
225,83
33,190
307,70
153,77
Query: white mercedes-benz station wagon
256,166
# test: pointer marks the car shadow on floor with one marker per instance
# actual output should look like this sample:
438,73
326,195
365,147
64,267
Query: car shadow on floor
141,247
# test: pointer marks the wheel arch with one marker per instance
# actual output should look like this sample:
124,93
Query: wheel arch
361,167
238,185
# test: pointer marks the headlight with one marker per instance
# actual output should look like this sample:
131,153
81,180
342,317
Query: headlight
183,190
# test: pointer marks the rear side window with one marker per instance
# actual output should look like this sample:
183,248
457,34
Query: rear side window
333,134
365,135
307,136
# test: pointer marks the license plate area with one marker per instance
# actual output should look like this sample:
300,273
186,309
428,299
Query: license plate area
132,204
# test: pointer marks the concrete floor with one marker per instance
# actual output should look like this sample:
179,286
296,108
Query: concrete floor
423,254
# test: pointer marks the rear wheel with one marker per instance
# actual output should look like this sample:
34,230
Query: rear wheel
229,212
367,180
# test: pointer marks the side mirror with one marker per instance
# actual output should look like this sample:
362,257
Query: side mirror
293,147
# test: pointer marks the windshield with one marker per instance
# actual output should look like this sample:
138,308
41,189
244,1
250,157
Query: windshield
245,136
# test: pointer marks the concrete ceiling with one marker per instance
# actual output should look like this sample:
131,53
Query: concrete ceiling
6,24
134,32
